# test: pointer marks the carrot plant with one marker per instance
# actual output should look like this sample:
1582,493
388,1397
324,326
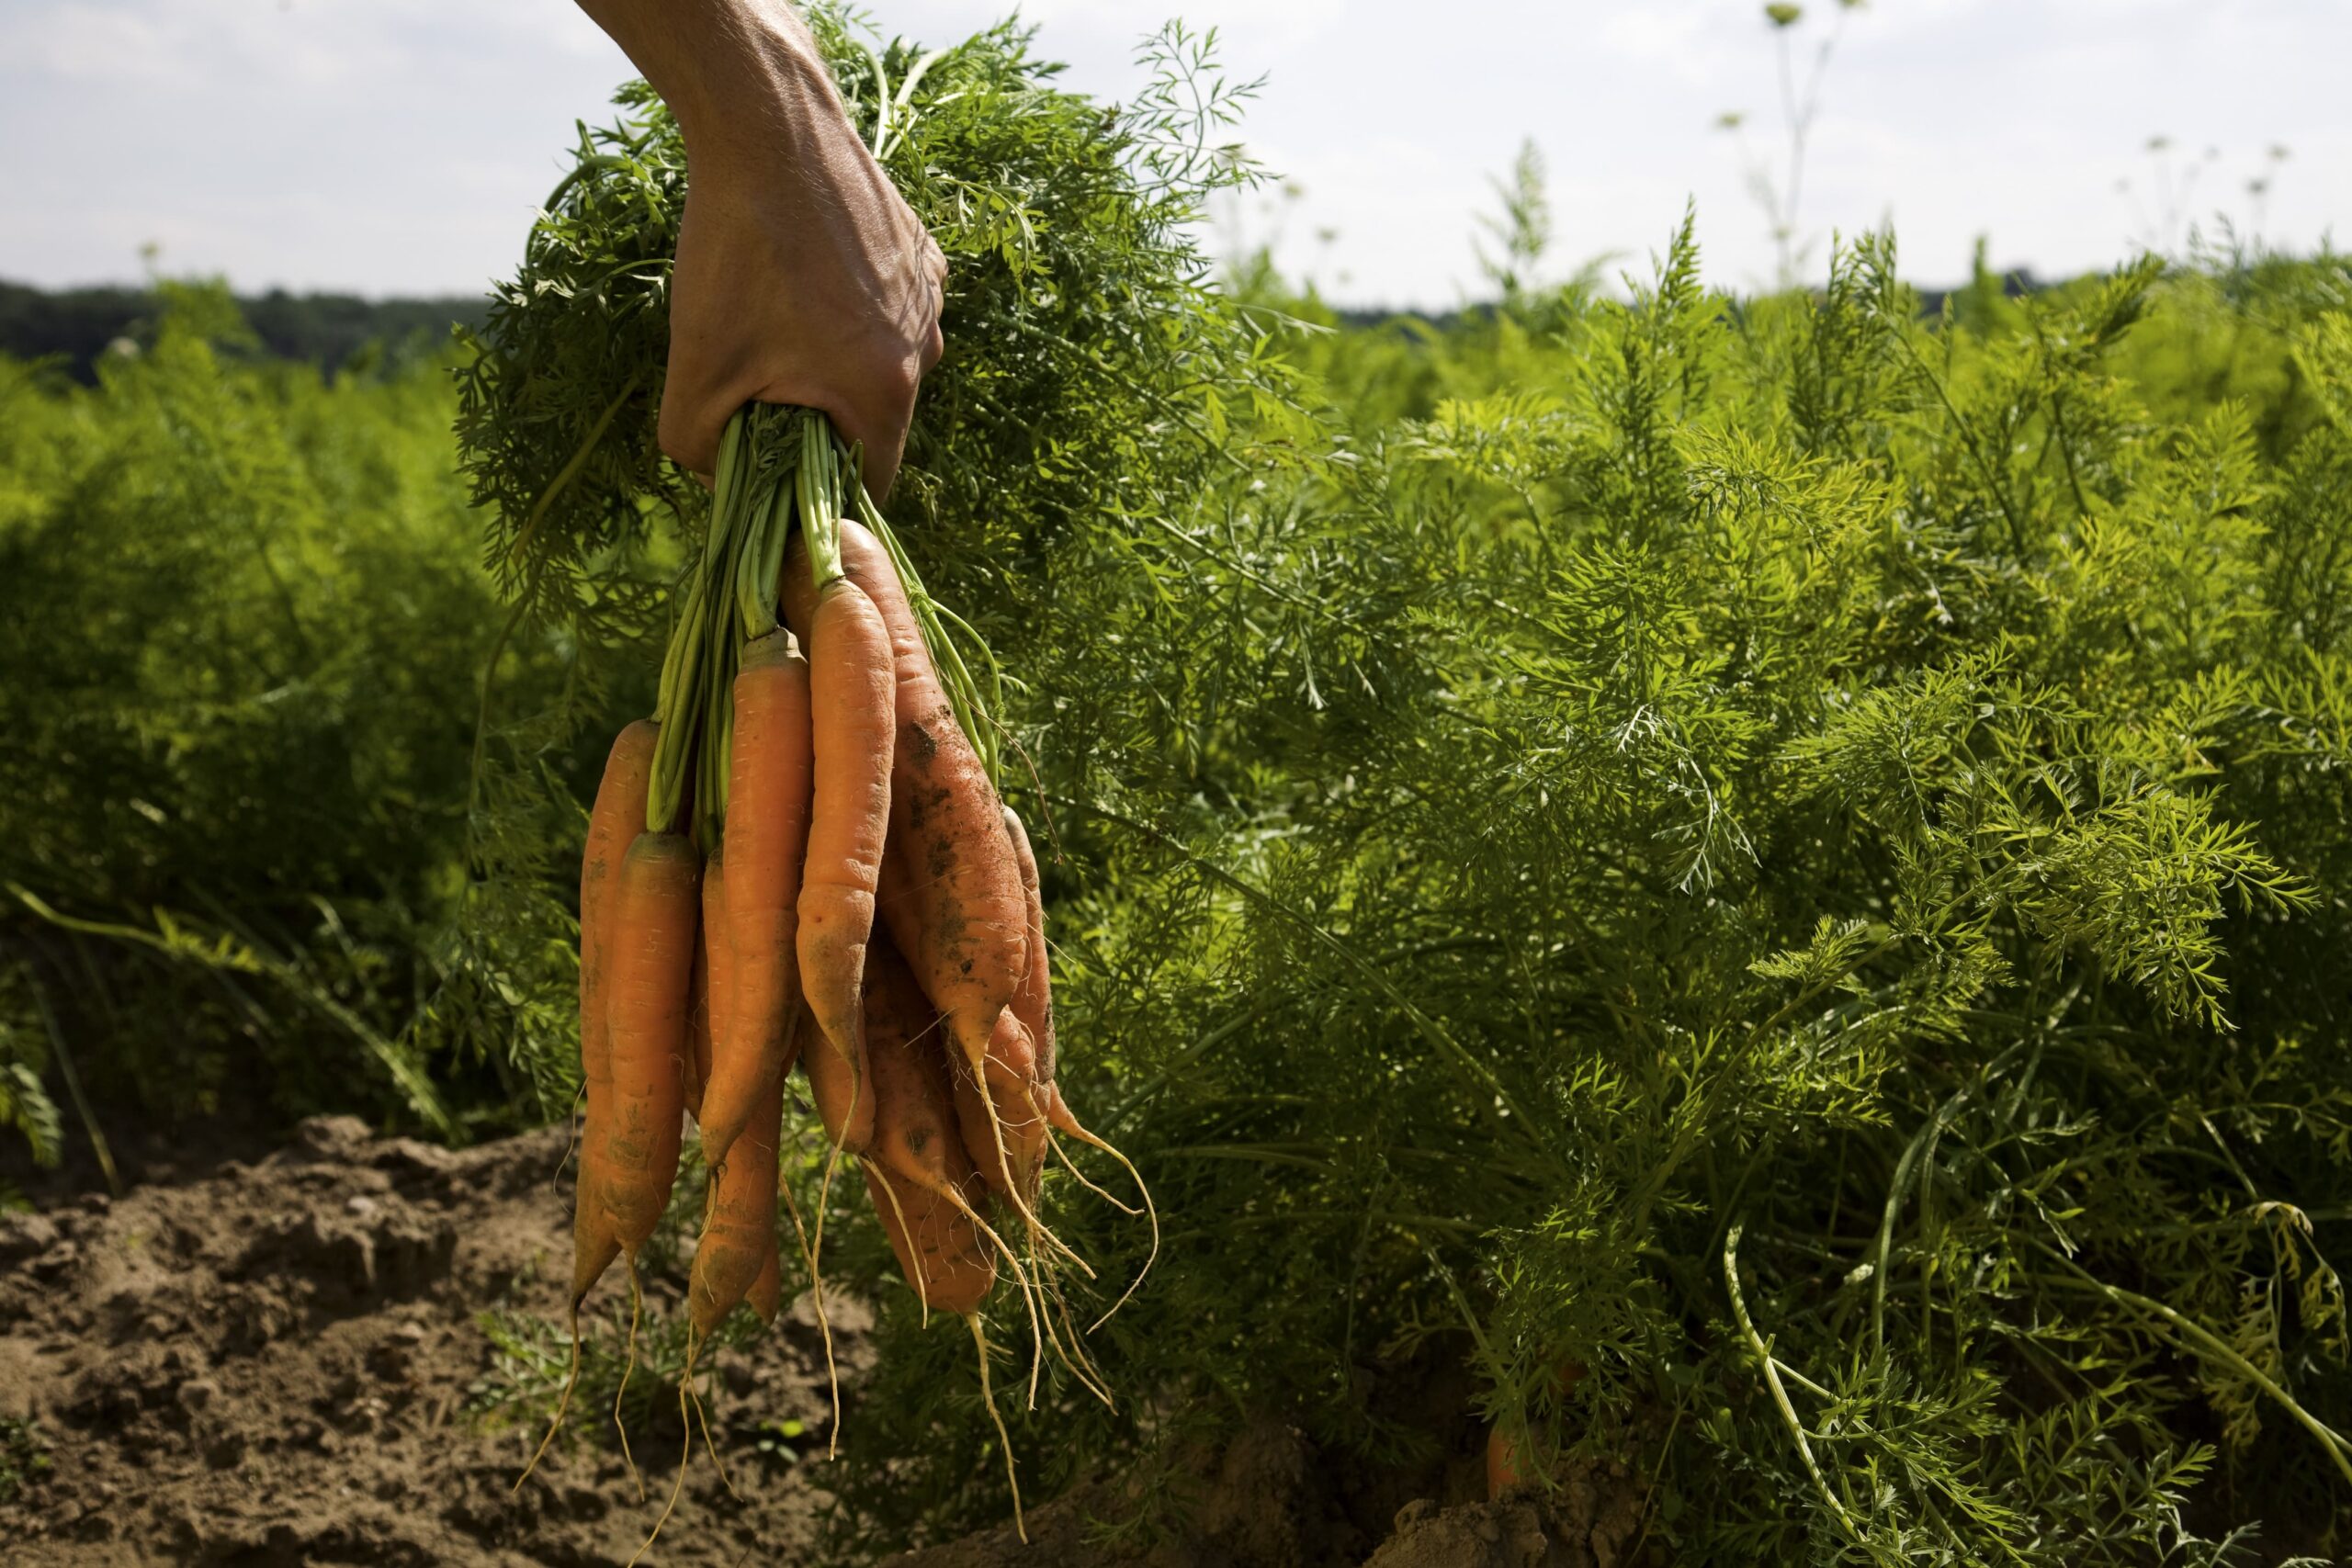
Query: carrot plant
237,616
1784,861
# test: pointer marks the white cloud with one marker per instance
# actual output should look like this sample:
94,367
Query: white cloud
95,45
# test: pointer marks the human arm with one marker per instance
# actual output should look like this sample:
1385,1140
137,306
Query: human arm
802,275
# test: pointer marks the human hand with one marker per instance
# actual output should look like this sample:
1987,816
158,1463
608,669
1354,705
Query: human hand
802,275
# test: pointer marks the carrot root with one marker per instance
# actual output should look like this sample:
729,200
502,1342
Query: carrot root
628,1365
1088,1182
1037,1227
711,1447
1074,1358
563,1405
817,1296
987,1397
1059,1116
817,1287
572,1145
1020,1278
923,1293
677,1488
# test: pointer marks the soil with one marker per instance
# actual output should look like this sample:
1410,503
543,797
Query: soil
1269,1500
272,1363
277,1362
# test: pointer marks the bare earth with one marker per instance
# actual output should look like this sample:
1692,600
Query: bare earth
272,1363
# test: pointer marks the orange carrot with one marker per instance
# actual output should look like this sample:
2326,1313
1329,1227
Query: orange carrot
739,1236
922,1181
837,1087
713,991
652,951
939,1249
767,1294
767,835
1505,1468
1034,1002
1000,1112
912,1134
613,821
849,695
950,886
993,1103
917,1171
694,1066
1021,1106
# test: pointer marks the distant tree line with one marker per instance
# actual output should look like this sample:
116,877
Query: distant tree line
331,331
336,330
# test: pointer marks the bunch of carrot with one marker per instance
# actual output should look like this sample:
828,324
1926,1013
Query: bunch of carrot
802,859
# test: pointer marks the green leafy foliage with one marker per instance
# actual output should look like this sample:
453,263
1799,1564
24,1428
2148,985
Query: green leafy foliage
1784,794
25,1107
24,1457
242,636
1776,851
1687,807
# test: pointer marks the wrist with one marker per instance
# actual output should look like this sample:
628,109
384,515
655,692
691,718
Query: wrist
734,73
755,94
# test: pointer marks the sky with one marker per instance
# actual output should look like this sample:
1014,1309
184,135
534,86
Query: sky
399,147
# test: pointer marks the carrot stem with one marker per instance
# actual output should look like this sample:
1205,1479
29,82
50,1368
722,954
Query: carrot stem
821,517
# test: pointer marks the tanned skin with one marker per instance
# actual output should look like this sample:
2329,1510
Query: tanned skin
802,275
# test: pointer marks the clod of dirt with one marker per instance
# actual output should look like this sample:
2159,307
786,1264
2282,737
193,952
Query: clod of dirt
1590,1520
1471,1535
